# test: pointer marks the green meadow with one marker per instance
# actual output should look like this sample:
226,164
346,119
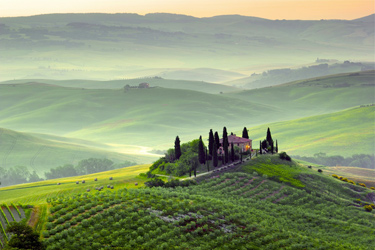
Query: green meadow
40,154
343,133
36,193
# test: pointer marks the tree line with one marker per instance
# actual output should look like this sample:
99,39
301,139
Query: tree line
21,174
187,157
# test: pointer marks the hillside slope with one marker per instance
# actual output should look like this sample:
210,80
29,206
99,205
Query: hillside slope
41,154
145,117
343,133
315,96
239,209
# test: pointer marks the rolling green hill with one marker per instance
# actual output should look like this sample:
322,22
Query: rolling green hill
144,117
314,96
118,84
343,133
285,75
238,209
41,154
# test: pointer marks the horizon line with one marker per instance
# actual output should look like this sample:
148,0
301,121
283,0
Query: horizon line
130,13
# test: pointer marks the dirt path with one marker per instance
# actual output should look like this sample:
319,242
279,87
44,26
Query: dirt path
34,217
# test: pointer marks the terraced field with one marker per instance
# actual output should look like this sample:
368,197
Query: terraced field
234,211
9,214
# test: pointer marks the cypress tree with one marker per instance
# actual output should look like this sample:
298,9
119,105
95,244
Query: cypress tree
244,133
260,147
232,151
201,156
226,149
277,148
210,141
207,162
177,148
217,139
214,155
225,134
269,137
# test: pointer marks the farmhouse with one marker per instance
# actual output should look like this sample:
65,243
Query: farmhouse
243,143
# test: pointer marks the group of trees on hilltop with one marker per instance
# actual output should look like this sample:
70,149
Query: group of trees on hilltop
185,158
268,144
86,166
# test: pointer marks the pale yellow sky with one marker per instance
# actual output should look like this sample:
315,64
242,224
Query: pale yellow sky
271,9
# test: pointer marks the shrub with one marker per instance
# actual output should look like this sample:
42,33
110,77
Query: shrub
352,182
345,179
284,156
373,188
362,184
335,176
368,208
320,171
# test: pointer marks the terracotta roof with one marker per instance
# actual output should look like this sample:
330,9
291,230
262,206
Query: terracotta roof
235,139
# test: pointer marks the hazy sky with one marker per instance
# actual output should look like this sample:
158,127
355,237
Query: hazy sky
272,9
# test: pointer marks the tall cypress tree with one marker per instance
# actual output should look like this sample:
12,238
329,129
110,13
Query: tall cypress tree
277,147
244,133
217,139
226,149
232,151
225,134
201,156
269,137
214,155
207,162
177,148
260,147
210,141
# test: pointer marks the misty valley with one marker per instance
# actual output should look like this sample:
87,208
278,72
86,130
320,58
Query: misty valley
166,131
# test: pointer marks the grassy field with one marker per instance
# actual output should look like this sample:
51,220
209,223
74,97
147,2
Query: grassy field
42,152
315,96
36,193
143,117
358,175
342,133
235,209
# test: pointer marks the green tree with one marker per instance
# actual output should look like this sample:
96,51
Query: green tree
269,137
277,147
23,237
214,155
202,158
226,149
244,133
210,141
34,177
232,152
177,148
217,140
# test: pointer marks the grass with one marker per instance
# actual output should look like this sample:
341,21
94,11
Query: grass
343,133
314,96
37,193
40,154
358,175
276,169
148,117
